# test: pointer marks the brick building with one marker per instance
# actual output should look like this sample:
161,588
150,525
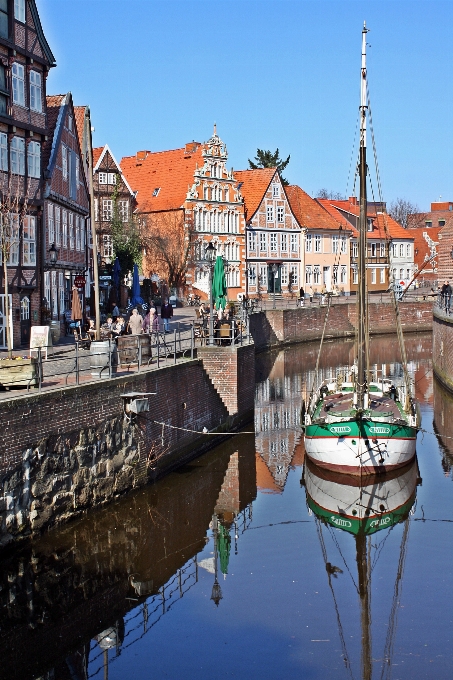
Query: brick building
25,59
66,206
190,190
440,218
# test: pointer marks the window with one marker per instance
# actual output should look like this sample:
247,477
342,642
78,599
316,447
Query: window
103,178
355,249
50,224
61,291
227,194
252,275
57,226
72,166
13,258
82,233
382,249
408,274
284,275
294,243
343,274
252,240
17,151
123,210
47,287
401,250
318,243
71,231
77,233
394,274
344,244
34,159
280,214
441,223
19,10
65,228
335,244
373,250
335,274
308,274
294,275
428,223
270,213
316,273
309,243
107,246
35,91
77,172
275,191
263,276
64,161
284,242
112,177
3,151
54,295
401,273
373,275
355,275
4,18
273,239
263,242
395,249
408,250
96,209
382,276
70,123
107,209
29,241
18,77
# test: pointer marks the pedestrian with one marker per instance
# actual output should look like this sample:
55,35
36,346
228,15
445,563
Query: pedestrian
310,293
118,327
446,296
166,313
147,322
106,328
135,324
301,296
115,311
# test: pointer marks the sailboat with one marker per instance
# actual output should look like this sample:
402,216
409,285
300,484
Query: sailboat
358,423
362,509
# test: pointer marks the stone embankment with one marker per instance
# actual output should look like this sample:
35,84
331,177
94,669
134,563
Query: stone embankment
443,347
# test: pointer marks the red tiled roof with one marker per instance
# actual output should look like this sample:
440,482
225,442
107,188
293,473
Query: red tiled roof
79,115
97,154
309,213
254,185
339,218
172,172
383,224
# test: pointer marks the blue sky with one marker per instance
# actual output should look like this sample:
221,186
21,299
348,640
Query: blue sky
285,74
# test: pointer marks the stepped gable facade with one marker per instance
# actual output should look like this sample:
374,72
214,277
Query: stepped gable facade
66,207
325,250
25,59
439,218
113,196
273,258
192,189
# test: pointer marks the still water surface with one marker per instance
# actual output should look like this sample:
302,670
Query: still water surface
222,569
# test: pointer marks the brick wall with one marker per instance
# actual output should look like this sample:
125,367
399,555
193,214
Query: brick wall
232,373
442,348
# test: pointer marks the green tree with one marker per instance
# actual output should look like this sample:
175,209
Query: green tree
127,242
267,159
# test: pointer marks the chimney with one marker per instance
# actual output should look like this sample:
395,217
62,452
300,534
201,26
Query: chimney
191,147
353,200
141,155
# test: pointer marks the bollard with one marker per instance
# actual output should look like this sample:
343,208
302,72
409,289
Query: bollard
77,363
175,346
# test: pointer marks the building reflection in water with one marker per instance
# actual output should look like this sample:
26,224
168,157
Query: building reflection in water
109,578
443,426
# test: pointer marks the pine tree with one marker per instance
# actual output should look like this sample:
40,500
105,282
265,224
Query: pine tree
267,159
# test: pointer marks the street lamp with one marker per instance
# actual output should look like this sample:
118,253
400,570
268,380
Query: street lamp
274,271
216,594
53,255
210,258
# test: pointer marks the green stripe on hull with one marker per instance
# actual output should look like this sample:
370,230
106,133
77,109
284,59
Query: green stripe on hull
364,428
368,525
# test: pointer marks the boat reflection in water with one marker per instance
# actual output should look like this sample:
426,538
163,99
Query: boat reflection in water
362,507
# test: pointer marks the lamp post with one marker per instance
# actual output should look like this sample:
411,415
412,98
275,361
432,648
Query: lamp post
274,271
210,258
216,594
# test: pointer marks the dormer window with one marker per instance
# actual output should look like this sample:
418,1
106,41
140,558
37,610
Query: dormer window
19,10
441,223
156,191
370,225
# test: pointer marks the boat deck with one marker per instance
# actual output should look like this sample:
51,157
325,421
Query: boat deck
341,405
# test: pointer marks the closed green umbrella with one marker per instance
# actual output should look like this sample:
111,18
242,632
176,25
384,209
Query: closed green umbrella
219,287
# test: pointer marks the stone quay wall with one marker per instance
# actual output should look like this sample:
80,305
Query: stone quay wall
443,348
286,326
64,451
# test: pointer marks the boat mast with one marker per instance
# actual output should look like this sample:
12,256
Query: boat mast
362,312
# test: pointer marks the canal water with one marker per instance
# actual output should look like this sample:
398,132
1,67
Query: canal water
241,564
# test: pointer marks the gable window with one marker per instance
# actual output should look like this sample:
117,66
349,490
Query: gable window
280,214
275,191
4,18
18,77
29,241
64,161
284,243
73,161
19,10
71,231
102,178
34,159
112,177
3,151
57,226
273,240
123,210
17,151
263,242
318,243
35,91
50,223
309,243
65,228
270,213
107,209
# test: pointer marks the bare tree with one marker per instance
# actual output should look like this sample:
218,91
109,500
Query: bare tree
167,238
400,209
13,209
330,195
